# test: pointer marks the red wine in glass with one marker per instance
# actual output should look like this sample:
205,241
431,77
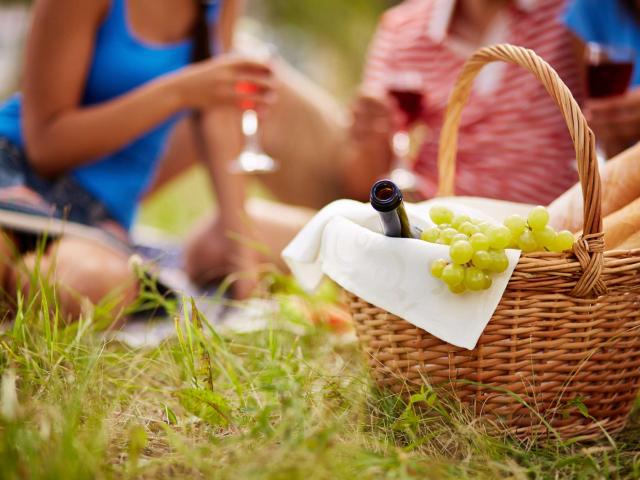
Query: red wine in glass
608,79
410,103
246,88
609,70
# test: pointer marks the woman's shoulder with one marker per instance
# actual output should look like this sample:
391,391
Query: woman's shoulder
79,5
74,10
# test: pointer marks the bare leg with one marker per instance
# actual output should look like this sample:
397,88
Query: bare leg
82,271
7,259
307,131
218,147
207,248
277,224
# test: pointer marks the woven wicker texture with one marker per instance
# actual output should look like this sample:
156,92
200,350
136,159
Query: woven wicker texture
567,330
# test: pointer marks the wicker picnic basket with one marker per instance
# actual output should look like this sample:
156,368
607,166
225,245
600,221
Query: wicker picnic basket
566,333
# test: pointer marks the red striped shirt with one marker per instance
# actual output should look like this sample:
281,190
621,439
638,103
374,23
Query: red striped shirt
513,141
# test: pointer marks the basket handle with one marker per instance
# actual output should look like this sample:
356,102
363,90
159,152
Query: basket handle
590,247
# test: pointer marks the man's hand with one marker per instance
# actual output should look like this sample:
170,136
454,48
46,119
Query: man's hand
372,119
370,154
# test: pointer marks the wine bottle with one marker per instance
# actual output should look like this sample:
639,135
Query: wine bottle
386,199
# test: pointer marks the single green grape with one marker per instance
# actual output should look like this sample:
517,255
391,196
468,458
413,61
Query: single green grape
527,242
474,279
458,237
538,218
499,237
499,261
459,220
452,274
447,235
437,267
431,235
479,241
440,215
461,252
516,224
545,237
482,259
457,289
469,229
484,227
564,241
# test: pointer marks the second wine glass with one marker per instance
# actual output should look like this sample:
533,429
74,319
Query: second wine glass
407,89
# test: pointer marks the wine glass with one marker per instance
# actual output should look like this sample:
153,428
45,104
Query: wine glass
253,159
406,88
609,71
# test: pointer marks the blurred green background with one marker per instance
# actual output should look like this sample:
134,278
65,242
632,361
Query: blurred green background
327,40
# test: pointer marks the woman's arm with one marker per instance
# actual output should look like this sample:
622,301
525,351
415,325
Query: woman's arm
61,134
231,10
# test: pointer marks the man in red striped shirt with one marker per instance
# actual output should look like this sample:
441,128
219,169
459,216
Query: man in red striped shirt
513,142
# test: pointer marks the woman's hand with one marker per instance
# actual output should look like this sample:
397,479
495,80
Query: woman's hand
228,79
615,120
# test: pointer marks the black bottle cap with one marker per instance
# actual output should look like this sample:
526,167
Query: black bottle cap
385,196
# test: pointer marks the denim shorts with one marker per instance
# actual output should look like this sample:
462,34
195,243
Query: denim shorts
23,190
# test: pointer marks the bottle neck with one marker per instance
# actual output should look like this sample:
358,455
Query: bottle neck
386,198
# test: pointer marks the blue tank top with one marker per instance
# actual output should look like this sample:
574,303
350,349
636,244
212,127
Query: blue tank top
121,63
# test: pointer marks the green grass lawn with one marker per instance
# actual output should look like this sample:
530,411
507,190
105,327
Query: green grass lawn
278,404
273,404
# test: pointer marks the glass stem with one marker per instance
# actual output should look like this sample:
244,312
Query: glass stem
250,130
401,144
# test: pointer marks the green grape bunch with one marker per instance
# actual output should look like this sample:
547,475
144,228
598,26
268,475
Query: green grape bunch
477,248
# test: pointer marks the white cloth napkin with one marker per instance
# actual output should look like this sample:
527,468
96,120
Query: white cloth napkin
344,242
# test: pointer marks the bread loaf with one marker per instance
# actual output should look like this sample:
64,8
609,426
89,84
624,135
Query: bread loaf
620,186
630,243
621,225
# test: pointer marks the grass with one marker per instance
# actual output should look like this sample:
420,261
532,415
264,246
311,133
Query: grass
273,404
283,403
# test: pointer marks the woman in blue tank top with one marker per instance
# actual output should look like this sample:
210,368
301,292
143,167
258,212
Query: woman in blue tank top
104,83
